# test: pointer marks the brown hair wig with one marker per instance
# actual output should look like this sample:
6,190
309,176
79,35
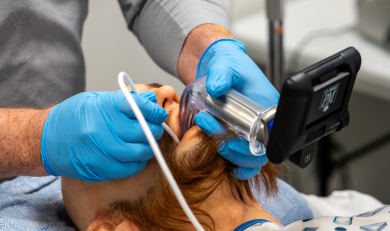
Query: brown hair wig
198,172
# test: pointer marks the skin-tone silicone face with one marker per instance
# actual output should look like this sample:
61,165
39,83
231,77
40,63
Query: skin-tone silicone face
87,203
169,100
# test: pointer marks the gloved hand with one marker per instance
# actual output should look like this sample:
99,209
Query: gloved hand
226,65
94,136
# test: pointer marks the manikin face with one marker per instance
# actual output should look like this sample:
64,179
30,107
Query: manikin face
146,197
169,100
87,203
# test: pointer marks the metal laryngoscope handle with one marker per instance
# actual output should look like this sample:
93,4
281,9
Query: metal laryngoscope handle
246,117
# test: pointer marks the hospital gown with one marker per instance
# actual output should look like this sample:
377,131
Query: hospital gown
35,203
376,220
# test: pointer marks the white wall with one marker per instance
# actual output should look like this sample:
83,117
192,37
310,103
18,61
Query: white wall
109,47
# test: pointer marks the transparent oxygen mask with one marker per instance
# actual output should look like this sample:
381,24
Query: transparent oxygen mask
250,120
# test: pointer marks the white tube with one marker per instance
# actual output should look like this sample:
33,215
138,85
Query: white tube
171,133
156,150
166,128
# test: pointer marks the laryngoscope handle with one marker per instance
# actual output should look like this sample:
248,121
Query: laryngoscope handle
243,115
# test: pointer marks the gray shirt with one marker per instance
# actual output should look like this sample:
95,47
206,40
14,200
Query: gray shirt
41,60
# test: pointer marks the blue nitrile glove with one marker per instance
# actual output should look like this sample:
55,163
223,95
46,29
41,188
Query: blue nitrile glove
226,65
94,136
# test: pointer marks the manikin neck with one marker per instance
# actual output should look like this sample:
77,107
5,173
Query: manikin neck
228,213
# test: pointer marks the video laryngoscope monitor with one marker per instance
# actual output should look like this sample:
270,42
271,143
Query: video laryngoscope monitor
313,103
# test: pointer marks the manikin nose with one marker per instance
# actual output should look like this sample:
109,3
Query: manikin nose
166,95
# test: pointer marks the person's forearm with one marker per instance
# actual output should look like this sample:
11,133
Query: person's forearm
20,142
196,43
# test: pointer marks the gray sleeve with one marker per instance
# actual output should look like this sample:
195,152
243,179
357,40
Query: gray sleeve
163,25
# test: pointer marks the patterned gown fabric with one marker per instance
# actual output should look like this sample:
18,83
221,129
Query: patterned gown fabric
376,220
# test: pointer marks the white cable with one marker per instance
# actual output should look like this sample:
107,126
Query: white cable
171,133
156,150
166,128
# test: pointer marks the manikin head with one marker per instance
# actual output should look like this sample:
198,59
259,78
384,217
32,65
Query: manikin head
146,201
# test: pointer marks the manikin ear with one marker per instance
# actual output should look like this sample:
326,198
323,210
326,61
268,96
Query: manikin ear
111,222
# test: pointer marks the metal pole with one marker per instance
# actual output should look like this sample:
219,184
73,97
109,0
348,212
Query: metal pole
276,60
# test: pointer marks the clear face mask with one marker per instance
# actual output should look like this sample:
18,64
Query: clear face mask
243,115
